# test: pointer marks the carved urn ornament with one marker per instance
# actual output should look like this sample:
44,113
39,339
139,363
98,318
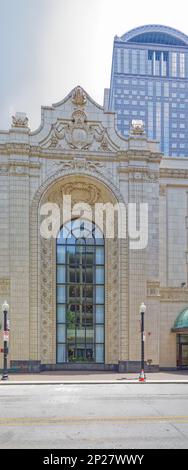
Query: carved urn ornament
137,127
20,120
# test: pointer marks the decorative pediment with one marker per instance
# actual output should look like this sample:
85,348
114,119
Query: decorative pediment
79,134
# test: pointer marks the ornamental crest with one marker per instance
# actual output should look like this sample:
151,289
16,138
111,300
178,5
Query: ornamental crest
78,97
78,134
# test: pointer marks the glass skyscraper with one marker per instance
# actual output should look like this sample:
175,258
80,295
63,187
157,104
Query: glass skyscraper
149,81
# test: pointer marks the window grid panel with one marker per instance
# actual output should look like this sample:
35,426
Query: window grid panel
80,293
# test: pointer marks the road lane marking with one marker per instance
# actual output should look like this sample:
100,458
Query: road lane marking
48,421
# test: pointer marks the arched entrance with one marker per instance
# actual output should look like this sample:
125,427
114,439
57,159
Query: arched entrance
80,293
91,187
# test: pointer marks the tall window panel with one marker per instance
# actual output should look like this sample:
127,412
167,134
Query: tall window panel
126,67
142,62
80,293
150,88
182,65
166,90
174,64
164,64
150,119
157,66
166,129
134,67
158,122
119,60
158,89
150,62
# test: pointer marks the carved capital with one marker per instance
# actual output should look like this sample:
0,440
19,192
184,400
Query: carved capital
153,289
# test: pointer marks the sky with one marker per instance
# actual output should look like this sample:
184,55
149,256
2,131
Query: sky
49,46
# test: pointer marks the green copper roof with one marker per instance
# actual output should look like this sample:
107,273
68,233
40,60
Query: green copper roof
182,320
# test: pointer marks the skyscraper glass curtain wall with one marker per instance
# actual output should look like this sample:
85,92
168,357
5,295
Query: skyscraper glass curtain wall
149,81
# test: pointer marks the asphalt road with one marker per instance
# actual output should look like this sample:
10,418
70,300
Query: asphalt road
119,416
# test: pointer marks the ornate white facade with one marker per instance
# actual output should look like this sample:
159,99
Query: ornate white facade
78,151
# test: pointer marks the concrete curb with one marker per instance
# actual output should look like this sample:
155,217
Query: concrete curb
97,382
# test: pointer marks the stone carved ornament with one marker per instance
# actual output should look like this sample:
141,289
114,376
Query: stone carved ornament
137,127
20,120
79,191
78,134
79,164
150,177
79,97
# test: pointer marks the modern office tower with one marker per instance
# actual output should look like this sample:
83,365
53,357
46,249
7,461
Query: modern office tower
149,81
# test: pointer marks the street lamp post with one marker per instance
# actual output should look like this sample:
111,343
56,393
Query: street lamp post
142,376
5,309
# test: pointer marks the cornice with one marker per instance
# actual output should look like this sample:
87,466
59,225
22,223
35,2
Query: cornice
143,154
140,174
20,148
18,167
174,294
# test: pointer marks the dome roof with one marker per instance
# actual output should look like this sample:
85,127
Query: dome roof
182,320
155,34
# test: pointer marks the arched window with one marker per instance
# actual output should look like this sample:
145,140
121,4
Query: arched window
80,293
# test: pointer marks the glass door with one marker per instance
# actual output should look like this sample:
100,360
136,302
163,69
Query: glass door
184,354
182,350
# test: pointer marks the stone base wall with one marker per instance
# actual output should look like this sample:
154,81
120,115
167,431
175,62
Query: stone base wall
36,367
30,367
135,366
25,366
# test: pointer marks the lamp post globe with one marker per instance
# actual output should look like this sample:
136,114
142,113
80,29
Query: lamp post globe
5,307
142,308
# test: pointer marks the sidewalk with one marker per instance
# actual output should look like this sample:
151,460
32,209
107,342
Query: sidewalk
76,377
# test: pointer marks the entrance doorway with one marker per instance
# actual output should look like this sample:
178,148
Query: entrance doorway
182,351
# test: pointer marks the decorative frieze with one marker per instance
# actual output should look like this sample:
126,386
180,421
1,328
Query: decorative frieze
167,294
174,294
140,175
79,164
